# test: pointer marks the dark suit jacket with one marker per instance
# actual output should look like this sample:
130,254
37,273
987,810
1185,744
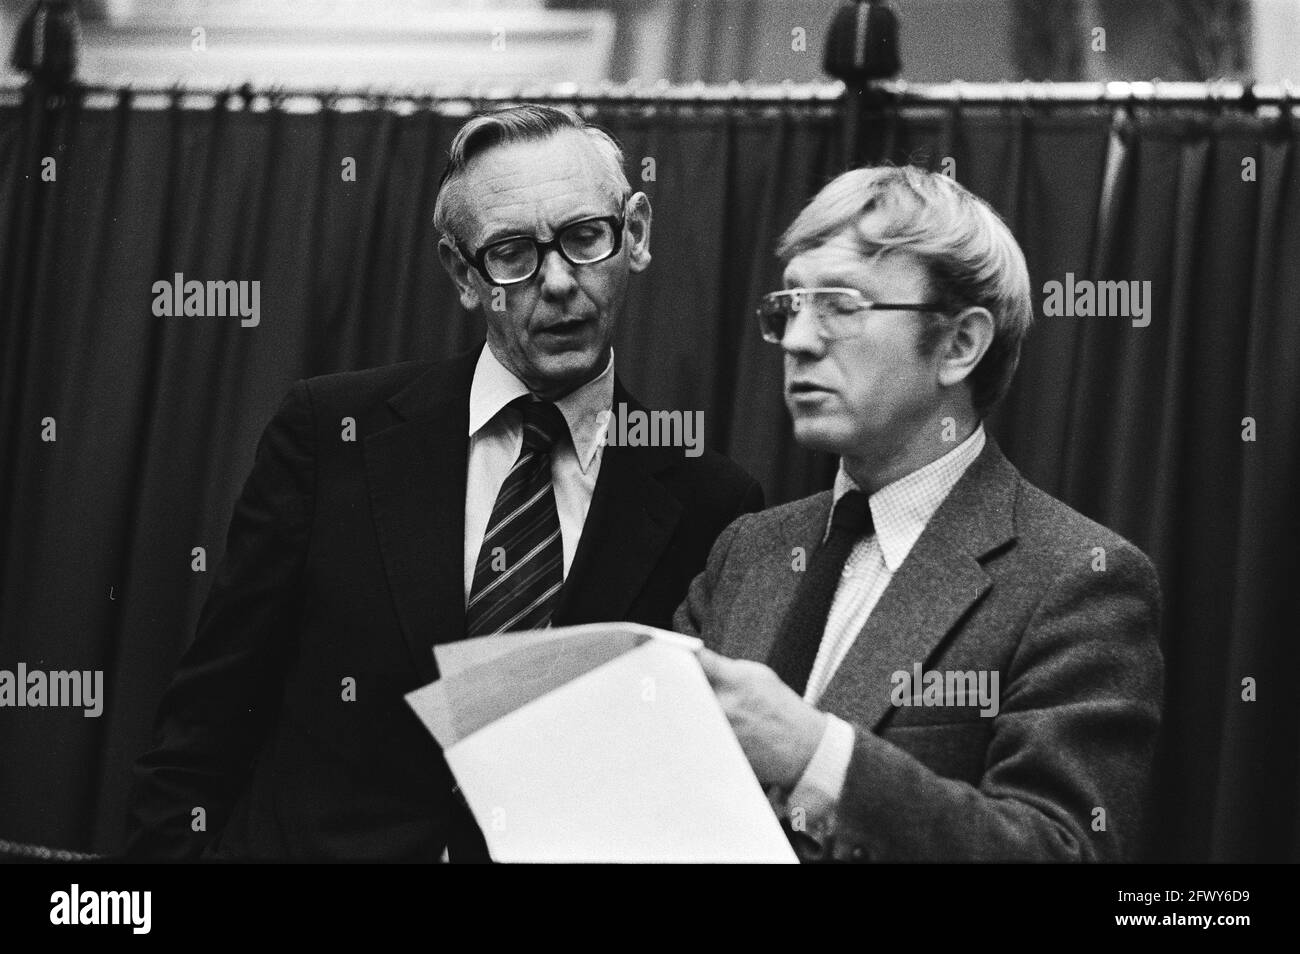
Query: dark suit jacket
1003,578
344,562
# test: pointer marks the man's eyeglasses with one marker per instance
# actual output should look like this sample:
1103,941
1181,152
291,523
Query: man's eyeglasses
839,311
509,261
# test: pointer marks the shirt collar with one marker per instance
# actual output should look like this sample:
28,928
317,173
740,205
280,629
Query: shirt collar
901,510
585,409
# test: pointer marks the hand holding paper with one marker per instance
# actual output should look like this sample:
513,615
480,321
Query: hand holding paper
777,730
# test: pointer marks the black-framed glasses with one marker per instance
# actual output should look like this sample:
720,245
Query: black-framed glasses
838,311
509,261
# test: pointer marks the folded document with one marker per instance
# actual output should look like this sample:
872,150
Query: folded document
599,743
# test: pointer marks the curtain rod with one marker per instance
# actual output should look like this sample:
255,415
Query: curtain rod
464,99
1146,92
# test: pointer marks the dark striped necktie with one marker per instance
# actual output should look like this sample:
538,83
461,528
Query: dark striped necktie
520,566
800,637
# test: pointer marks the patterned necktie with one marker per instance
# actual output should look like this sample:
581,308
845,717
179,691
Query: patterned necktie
520,566
795,650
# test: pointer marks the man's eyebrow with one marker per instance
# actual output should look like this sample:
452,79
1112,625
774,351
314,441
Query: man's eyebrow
845,280
837,280
505,232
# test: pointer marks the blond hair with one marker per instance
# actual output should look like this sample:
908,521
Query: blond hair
972,257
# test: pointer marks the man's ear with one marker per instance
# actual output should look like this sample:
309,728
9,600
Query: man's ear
638,228
459,271
966,342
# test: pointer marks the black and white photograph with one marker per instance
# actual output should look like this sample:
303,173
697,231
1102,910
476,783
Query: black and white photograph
571,433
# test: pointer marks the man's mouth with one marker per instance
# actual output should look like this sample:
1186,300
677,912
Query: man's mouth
567,327
806,389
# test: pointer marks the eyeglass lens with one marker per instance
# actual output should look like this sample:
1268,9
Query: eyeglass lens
581,243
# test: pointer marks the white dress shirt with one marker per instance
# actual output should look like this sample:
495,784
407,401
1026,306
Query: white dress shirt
496,435
900,512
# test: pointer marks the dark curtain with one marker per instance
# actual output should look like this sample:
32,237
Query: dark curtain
157,418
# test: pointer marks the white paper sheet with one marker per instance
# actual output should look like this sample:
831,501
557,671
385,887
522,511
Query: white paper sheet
633,761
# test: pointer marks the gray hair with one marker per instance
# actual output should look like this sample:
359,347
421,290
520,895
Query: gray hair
511,124
972,256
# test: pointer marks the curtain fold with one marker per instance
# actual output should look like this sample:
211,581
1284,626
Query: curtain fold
1140,428
1259,746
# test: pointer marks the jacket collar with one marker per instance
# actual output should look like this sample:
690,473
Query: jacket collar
416,472
941,579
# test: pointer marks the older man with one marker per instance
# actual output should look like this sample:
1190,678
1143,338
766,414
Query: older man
934,660
477,497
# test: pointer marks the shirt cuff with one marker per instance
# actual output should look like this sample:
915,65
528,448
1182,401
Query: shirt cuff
812,804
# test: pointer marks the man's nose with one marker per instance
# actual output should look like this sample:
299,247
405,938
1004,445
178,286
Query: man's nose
802,334
558,280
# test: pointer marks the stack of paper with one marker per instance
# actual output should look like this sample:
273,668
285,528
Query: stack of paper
599,743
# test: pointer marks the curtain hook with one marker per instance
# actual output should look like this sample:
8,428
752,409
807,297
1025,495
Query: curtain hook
954,119
1027,96
1285,104
1122,111
1248,103
1217,95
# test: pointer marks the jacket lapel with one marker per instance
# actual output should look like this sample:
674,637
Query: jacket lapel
752,629
937,584
630,521
416,473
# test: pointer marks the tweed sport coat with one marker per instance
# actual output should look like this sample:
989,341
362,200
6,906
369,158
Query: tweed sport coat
1004,579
